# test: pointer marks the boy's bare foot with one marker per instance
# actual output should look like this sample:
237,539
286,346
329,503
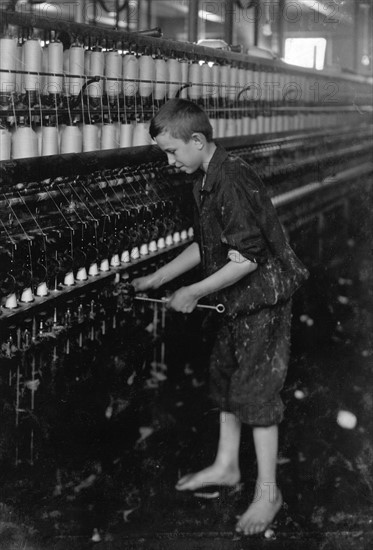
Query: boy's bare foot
262,511
213,475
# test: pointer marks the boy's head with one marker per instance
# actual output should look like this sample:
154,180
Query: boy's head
182,119
183,131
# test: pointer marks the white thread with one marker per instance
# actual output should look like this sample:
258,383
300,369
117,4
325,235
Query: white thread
76,67
32,63
96,68
222,124
161,76
174,75
5,144
184,65
49,141
146,73
195,77
126,134
8,61
90,137
24,143
55,65
113,69
130,72
108,137
71,140
233,85
224,81
208,88
141,134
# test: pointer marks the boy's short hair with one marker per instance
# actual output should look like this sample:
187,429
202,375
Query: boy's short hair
181,118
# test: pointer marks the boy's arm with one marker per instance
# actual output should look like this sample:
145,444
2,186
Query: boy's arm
186,298
189,258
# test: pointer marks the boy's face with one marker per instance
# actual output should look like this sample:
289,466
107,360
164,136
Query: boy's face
188,157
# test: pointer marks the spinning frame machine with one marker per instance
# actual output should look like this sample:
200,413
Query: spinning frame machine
87,202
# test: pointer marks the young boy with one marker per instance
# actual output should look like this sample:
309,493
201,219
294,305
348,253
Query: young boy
248,266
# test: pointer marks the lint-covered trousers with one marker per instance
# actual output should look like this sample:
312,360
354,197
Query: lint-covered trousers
248,365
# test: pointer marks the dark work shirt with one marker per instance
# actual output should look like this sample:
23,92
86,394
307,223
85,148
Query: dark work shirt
234,212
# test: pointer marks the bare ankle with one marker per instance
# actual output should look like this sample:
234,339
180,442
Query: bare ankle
266,490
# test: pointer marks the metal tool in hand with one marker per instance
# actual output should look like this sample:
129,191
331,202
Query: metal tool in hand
220,308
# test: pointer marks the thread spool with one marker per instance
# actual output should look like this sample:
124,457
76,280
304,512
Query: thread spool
153,246
113,69
87,62
125,257
147,75
27,296
42,289
11,301
55,65
44,69
5,144
246,126
207,82
135,253
109,137
222,123
49,141
71,140
141,134
81,274
174,75
8,61
96,68
231,127
126,134
233,84
215,75
104,265
224,81
24,143
76,67
241,82
130,75
195,77
69,279
115,261
93,270
184,65
161,77
32,62
90,137
38,132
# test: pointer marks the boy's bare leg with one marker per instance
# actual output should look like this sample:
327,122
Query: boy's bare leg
268,500
225,469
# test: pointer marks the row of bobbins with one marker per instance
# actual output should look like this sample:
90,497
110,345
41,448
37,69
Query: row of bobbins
149,75
27,294
24,140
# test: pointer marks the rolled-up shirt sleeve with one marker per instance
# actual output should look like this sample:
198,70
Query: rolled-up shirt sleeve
240,230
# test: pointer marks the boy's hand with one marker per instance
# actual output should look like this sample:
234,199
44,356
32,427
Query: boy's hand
144,283
183,300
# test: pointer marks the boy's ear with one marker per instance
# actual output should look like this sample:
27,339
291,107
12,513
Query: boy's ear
199,140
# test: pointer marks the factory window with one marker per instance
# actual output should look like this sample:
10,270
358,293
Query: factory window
305,52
